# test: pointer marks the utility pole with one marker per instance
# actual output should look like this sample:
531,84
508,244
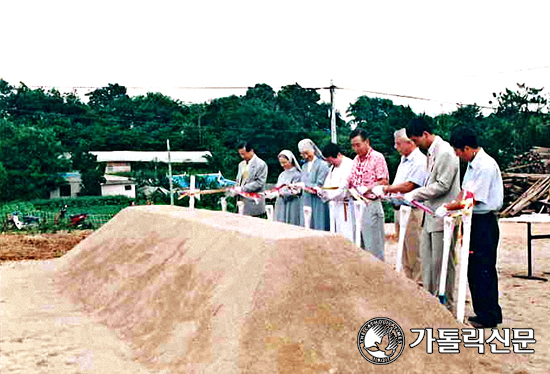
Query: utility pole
199,122
201,111
170,173
333,137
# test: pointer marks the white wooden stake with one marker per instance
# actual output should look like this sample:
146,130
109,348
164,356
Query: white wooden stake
170,173
269,212
332,215
464,254
448,228
191,190
358,221
307,216
333,137
404,216
223,203
240,205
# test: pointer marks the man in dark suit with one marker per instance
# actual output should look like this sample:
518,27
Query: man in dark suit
251,177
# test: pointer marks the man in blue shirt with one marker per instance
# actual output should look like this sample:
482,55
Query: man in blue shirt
483,178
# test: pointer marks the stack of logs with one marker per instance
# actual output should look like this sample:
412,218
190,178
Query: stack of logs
525,193
528,192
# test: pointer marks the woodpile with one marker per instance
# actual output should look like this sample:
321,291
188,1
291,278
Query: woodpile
527,183
525,193
537,161
544,154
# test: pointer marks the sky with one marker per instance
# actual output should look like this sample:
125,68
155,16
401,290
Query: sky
446,51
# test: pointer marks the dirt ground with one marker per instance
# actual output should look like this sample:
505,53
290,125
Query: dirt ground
43,333
17,247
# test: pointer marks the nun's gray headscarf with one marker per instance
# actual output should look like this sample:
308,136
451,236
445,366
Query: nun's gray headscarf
308,145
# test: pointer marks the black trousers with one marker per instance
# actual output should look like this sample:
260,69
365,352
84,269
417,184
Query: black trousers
482,272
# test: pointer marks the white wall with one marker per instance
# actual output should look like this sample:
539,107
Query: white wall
117,167
118,189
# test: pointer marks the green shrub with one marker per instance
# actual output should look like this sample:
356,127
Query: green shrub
17,206
83,202
99,208
389,212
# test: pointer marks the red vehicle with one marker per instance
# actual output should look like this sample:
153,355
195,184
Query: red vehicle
80,220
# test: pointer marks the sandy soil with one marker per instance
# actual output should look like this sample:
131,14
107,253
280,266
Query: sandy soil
17,247
41,332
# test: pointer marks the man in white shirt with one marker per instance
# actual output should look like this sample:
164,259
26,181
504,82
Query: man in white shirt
484,180
335,189
411,174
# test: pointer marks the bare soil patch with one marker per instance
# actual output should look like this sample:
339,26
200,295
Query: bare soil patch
17,247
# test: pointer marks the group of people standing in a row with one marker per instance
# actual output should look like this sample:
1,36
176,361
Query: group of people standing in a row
434,178
324,176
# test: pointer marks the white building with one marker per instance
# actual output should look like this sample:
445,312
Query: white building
121,161
115,185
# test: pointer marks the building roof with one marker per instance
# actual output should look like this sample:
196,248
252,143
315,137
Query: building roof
176,157
151,190
73,176
115,179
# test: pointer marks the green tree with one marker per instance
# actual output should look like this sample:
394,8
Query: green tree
270,121
108,98
527,109
305,110
155,118
91,172
32,158
3,182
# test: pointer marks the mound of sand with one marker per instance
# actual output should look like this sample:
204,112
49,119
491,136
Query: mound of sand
212,292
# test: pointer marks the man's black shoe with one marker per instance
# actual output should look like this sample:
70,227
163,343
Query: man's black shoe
483,324
480,320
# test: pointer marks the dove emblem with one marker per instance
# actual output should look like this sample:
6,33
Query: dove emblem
381,341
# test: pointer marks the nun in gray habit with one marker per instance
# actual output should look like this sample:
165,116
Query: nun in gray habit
314,173
289,207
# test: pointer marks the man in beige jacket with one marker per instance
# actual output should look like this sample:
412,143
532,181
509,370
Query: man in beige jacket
441,186
251,177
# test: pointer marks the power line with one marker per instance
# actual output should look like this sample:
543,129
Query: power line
507,72
411,97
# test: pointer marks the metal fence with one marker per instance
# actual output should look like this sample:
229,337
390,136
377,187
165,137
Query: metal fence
50,221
